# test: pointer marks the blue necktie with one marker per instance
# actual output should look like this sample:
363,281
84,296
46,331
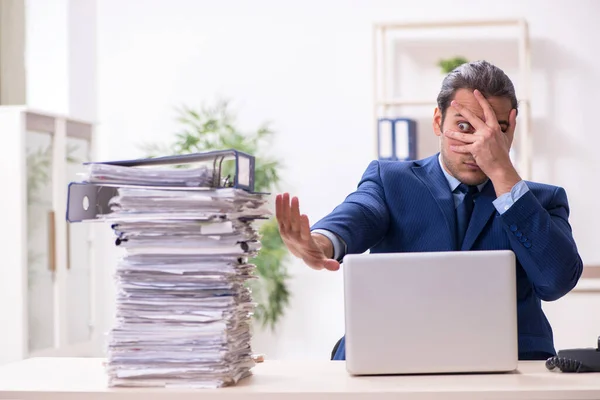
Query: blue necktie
464,211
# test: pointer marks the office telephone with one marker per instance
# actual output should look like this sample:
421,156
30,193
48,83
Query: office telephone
576,360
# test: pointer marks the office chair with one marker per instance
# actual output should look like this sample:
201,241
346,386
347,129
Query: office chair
335,348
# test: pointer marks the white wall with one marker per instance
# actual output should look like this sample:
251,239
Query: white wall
47,55
60,57
307,66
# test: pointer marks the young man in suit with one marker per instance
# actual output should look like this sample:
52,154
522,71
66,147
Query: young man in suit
467,197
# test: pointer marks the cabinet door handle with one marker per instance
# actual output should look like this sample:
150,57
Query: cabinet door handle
51,241
68,246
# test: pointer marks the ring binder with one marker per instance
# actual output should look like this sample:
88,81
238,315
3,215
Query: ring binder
87,201
396,139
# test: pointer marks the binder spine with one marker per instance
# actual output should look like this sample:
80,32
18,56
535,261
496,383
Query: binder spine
397,139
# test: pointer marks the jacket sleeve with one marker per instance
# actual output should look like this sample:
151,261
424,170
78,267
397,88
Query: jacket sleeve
542,241
363,218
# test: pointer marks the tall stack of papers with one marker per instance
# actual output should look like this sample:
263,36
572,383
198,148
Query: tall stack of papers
183,310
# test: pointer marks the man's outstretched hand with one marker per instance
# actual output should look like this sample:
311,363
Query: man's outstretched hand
314,249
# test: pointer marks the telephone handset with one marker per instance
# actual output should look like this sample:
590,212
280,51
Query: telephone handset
576,360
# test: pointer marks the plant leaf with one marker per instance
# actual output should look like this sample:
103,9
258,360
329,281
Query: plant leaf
214,127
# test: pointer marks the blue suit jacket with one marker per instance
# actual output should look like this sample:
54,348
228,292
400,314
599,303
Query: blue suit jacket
408,207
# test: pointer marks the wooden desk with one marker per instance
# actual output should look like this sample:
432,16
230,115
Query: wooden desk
81,378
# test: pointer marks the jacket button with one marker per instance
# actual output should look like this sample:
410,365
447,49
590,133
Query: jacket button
518,234
523,239
513,228
527,245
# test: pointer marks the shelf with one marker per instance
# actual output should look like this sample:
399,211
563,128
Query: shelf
450,24
385,72
419,102
406,102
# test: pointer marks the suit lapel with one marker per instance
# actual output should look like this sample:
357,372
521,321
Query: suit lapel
484,209
431,175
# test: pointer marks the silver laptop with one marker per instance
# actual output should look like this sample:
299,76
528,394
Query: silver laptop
438,312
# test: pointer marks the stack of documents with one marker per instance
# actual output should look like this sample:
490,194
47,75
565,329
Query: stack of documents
183,309
106,173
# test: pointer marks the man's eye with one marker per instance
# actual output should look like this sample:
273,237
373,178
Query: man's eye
464,126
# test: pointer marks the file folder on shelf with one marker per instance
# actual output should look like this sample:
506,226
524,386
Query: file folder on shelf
397,139
87,201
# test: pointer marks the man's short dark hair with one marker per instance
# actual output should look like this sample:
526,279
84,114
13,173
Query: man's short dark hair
490,80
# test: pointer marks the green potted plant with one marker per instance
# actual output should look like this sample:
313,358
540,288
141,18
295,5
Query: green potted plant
449,64
215,128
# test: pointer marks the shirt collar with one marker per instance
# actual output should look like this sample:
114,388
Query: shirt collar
452,181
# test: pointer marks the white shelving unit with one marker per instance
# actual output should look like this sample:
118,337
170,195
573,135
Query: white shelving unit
47,275
383,102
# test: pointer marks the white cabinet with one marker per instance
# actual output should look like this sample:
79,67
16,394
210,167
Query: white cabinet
46,277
